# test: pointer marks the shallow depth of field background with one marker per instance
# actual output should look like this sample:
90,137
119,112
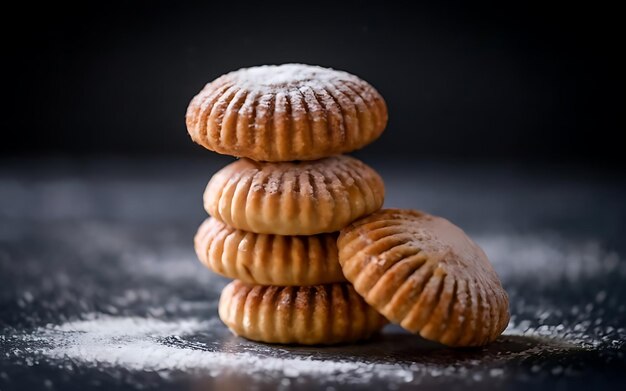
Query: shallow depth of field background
484,82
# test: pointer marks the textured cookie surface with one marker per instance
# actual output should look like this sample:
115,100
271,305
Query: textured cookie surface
286,112
426,274
300,198
310,315
268,259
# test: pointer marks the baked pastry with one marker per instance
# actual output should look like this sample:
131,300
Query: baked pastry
426,274
309,315
286,112
293,198
268,259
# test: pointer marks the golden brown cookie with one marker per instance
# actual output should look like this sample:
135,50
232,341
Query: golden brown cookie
286,112
426,274
268,259
299,198
309,315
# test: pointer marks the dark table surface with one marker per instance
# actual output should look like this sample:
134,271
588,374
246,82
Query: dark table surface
100,288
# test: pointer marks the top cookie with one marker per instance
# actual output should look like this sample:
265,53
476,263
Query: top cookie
286,112
426,274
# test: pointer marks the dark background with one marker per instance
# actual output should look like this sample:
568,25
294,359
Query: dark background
482,80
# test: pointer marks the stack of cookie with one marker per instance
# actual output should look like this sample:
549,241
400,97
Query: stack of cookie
276,212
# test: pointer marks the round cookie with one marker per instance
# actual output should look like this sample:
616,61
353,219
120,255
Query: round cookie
309,315
268,259
286,112
426,274
294,198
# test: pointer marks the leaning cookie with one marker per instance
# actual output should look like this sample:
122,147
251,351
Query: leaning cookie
286,112
310,315
299,198
426,274
268,259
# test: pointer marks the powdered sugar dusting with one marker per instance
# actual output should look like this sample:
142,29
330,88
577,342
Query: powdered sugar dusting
147,344
269,77
515,256
138,344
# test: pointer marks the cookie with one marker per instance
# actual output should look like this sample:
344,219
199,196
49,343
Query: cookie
268,259
309,315
286,112
296,198
426,274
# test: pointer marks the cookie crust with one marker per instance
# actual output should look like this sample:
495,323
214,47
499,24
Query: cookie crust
286,112
294,198
310,315
426,274
268,259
